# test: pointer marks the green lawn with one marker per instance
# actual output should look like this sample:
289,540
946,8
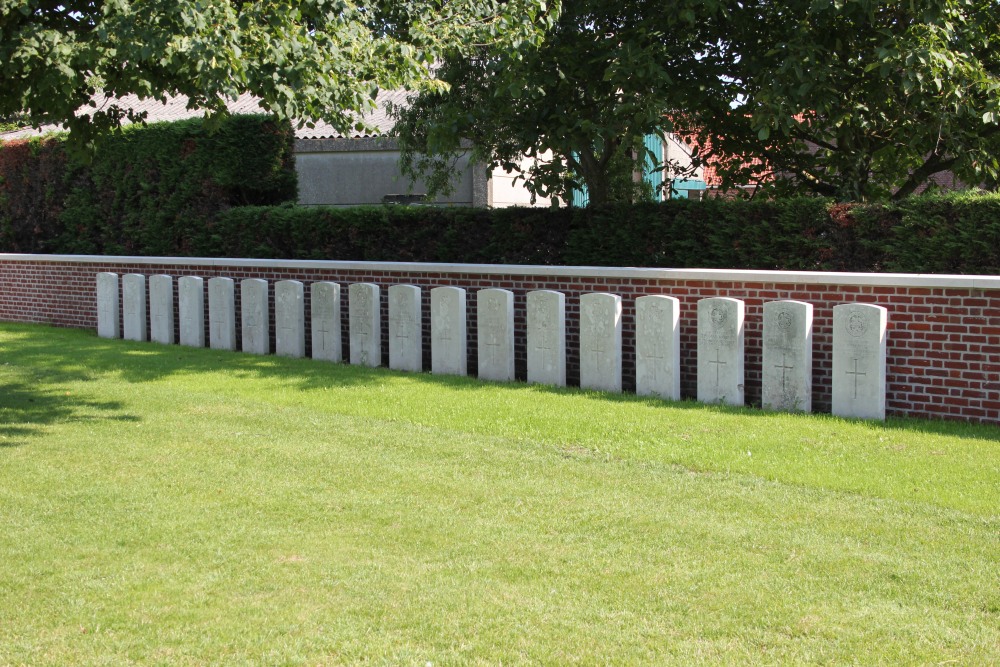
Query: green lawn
164,505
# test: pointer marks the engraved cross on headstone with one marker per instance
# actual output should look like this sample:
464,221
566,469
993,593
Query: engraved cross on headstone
653,322
492,324
597,343
107,307
718,364
253,322
218,323
324,329
404,322
784,369
855,373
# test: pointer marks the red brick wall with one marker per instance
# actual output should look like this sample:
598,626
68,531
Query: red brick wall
943,334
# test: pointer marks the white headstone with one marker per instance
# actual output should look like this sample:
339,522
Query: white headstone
191,309
859,345
720,350
547,337
601,342
255,316
657,347
365,323
134,307
289,319
324,306
161,309
406,350
495,326
107,305
448,344
222,313
786,363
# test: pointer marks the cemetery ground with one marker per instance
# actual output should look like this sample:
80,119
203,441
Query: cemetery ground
189,506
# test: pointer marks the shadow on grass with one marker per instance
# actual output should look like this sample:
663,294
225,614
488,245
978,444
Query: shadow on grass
26,407
74,355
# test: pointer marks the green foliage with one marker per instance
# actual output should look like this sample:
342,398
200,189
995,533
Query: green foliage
952,233
579,101
149,190
306,60
931,234
33,191
395,233
857,100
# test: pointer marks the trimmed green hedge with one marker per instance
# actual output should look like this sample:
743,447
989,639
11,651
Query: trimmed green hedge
176,190
958,233
151,190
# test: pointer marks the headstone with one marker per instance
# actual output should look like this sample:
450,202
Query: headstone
448,344
547,337
657,347
107,305
406,350
495,326
365,323
254,316
134,307
289,319
601,342
720,350
786,363
161,309
859,343
222,313
191,309
324,306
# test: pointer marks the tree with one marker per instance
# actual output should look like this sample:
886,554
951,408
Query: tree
578,103
857,99
307,60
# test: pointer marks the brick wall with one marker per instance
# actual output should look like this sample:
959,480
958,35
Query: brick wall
943,333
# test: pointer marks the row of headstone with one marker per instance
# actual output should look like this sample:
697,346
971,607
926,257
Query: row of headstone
859,350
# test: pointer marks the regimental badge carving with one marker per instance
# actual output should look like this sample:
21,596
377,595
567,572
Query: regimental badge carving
785,320
857,324
364,311
652,323
719,316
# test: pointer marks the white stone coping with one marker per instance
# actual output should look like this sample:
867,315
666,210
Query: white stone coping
928,280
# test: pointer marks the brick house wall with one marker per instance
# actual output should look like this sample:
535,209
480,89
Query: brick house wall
943,331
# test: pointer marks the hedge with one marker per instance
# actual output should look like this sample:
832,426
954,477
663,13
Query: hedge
176,190
150,190
930,234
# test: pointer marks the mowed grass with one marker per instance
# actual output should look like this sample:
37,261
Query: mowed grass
165,505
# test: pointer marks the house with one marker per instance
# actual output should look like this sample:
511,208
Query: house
337,169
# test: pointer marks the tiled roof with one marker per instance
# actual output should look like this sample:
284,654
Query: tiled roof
176,108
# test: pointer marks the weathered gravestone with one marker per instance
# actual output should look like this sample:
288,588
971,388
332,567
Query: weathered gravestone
786,373
191,308
859,360
601,342
107,305
657,347
406,350
134,306
365,324
255,316
289,319
161,309
448,344
547,337
720,350
324,307
495,328
222,313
